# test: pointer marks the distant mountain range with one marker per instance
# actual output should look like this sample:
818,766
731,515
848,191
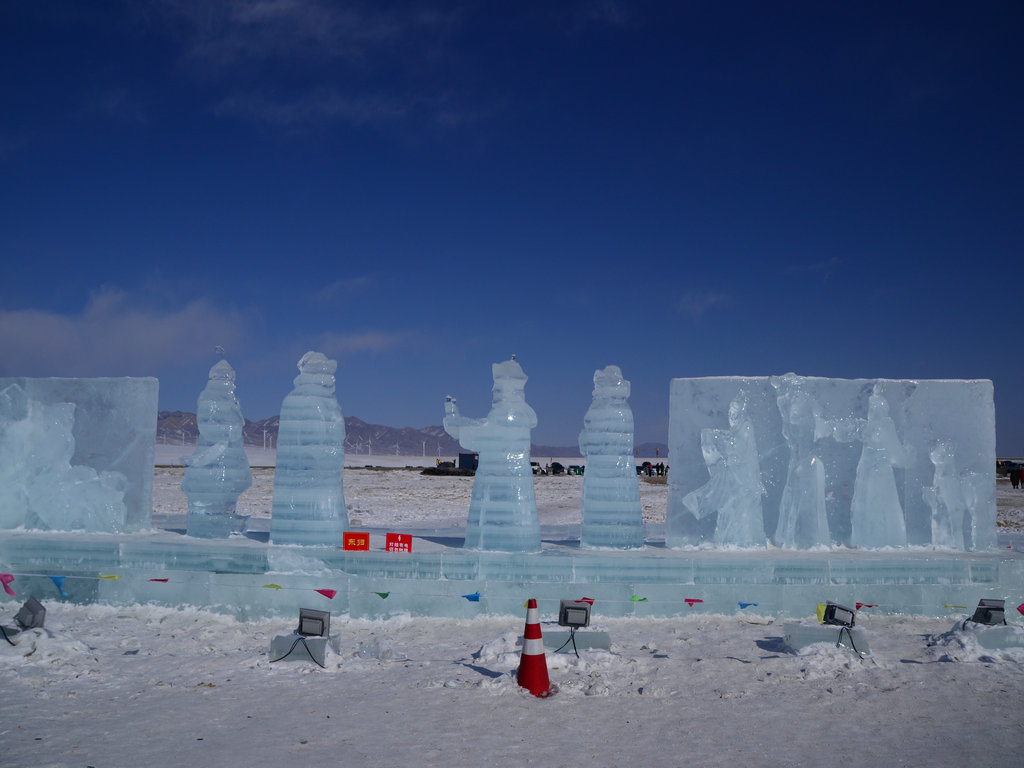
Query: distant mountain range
178,428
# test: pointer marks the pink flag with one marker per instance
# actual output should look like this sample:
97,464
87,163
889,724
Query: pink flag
328,593
691,600
5,579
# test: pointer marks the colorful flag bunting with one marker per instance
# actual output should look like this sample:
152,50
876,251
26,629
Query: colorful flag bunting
1020,608
163,580
111,576
473,598
6,579
691,600
638,599
382,595
328,593
744,606
59,581
866,605
961,607
272,586
587,600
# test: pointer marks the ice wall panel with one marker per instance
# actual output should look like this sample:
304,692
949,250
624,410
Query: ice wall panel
941,436
112,436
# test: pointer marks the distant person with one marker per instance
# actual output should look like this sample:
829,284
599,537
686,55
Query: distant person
1015,475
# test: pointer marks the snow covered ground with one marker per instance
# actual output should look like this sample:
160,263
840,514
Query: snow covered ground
115,686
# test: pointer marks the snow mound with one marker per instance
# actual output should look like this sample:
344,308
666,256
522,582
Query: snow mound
968,641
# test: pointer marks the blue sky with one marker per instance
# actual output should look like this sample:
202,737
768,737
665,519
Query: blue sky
422,189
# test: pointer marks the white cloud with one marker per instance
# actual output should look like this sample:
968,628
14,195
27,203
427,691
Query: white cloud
696,304
824,268
229,33
345,345
116,105
345,288
112,338
312,108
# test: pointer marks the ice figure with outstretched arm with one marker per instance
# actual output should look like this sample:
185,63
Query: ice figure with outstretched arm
734,489
803,522
945,497
309,496
218,472
876,515
503,509
612,516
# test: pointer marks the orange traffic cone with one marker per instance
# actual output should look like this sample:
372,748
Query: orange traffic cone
533,666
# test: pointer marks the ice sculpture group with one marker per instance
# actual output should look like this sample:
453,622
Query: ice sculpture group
789,461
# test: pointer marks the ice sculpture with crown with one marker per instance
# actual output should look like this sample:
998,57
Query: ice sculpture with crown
503,509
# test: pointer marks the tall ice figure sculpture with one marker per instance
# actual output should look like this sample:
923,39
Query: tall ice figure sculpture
309,496
612,516
218,472
734,489
503,509
876,515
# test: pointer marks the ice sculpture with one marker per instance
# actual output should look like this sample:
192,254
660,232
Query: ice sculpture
218,472
77,454
876,515
734,489
503,509
803,522
946,499
309,497
612,516
817,453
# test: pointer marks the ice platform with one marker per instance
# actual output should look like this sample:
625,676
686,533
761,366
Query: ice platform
800,634
247,577
558,638
291,646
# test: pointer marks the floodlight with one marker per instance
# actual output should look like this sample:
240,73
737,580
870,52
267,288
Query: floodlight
573,614
837,615
989,612
314,623
32,615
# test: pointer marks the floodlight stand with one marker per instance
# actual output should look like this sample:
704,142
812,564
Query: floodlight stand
572,639
849,635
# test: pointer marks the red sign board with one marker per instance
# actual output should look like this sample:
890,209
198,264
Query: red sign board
355,540
398,542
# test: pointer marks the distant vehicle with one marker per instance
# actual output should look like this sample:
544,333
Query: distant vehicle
537,468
